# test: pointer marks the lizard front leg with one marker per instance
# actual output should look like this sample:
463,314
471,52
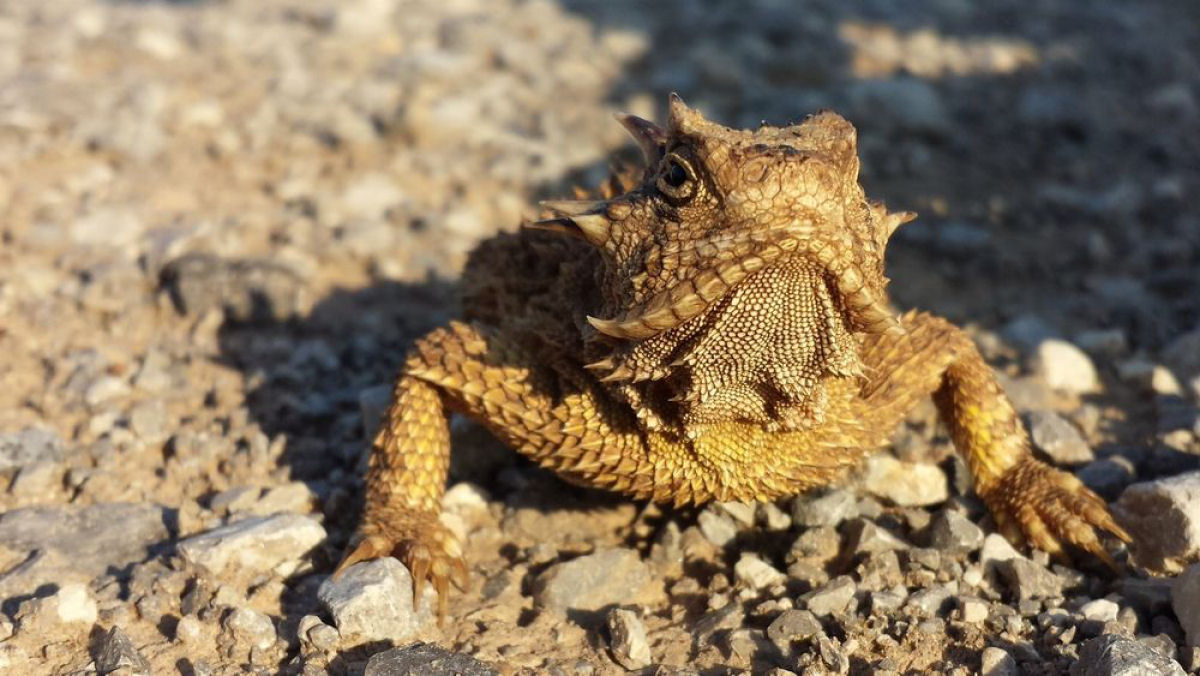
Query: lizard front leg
1029,499
548,413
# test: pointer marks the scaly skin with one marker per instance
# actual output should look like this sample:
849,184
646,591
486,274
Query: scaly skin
747,350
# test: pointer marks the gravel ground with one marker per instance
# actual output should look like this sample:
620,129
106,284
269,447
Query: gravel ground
223,222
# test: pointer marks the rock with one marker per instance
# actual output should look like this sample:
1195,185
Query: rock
118,652
254,545
995,549
888,600
907,484
91,539
829,509
1163,516
997,662
864,536
316,635
972,610
774,518
914,105
1183,354
1026,332
251,628
1113,655
424,659
372,404
929,602
1103,342
149,420
37,482
104,390
1108,476
628,639
1185,601
716,527
756,573
954,532
75,604
1065,367
1099,610
1028,580
832,597
188,630
247,290
373,601
793,625
742,513
1059,439
31,444
591,582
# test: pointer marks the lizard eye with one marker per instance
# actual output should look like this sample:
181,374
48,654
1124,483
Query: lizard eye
676,178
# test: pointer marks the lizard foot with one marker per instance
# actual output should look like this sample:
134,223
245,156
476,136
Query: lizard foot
1047,507
428,549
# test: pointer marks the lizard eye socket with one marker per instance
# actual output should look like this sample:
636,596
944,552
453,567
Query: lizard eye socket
676,179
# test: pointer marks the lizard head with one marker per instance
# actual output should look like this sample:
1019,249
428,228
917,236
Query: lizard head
721,212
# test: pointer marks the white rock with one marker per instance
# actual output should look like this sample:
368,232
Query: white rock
629,646
1163,517
1100,610
254,545
75,604
373,601
908,484
756,573
1066,367
251,627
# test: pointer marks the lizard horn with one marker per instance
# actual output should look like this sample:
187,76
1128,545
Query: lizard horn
593,228
678,304
650,137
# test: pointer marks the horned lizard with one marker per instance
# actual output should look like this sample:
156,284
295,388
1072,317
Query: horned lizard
718,331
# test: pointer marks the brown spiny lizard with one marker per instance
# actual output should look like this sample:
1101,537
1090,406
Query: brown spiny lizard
718,331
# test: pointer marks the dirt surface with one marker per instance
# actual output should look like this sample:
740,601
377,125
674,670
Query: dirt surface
224,222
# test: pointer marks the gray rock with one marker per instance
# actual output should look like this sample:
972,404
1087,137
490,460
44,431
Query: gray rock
31,444
718,528
251,628
756,573
913,104
741,512
1065,367
316,635
1027,331
1113,655
997,662
424,659
866,537
793,625
1185,600
930,602
832,597
91,539
628,639
248,290
829,509
1163,517
373,601
1059,439
1028,580
118,652
254,545
996,549
888,600
149,420
954,532
591,582
1108,476
1183,354
372,404
908,484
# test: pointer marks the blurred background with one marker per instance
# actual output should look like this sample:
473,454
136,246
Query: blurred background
224,220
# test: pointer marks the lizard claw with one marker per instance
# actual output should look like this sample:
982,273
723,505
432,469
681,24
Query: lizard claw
430,551
1048,508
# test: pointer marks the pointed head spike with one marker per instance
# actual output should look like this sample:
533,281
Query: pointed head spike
651,138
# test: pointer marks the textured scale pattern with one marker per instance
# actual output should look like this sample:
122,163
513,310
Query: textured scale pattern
715,328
